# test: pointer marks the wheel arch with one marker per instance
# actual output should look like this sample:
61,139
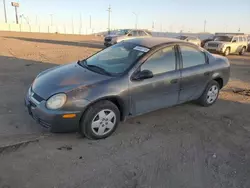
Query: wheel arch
219,80
114,99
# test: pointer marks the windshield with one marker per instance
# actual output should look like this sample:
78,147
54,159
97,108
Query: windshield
115,59
223,38
121,32
182,37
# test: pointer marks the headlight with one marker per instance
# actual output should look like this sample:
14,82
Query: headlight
56,101
222,46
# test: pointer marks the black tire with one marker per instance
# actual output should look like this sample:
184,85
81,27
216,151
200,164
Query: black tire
243,50
227,51
203,100
90,114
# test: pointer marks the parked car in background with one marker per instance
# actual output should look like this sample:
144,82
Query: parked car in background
128,79
125,34
203,42
228,44
191,39
248,39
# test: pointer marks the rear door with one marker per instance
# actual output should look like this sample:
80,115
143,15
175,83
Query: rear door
235,44
162,90
195,72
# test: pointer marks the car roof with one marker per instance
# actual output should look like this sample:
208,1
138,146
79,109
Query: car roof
150,42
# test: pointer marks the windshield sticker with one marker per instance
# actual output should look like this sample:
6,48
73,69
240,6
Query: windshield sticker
142,49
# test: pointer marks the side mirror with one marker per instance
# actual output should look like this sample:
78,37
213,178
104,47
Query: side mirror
234,41
142,75
130,34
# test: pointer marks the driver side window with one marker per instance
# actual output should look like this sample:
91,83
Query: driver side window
161,61
236,39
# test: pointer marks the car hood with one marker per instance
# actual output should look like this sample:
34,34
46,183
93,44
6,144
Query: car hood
218,42
64,79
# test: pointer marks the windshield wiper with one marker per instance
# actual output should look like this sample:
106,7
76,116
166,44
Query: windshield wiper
99,69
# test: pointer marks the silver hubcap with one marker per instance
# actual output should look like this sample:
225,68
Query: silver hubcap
212,94
227,51
103,122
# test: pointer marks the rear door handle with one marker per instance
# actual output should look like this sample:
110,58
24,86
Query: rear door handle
174,81
206,73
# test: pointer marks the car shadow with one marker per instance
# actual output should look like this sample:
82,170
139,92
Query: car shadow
16,75
88,44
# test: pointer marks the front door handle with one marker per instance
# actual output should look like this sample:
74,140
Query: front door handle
174,81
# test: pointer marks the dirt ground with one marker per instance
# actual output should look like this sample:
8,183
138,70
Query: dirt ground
186,146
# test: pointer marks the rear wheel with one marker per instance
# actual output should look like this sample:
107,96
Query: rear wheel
210,95
227,51
243,50
100,120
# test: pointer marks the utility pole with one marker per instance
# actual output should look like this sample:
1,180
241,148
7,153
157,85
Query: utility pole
80,24
109,12
205,23
5,14
90,22
72,24
136,20
51,19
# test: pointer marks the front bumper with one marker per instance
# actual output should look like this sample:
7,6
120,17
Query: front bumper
110,43
52,119
215,50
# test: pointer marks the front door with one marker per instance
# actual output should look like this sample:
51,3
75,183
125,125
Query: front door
234,45
162,90
195,73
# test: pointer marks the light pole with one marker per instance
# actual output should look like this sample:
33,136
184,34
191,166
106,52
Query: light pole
51,19
136,19
109,12
5,14
205,22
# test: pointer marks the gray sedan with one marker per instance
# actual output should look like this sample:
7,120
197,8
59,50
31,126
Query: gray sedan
128,79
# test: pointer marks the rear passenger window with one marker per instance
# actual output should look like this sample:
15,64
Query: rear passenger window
192,57
240,39
160,62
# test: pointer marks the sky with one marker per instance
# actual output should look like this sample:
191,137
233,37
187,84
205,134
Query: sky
167,15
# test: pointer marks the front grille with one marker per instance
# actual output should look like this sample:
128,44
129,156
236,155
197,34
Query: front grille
107,39
37,97
44,124
41,122
212,45
32,104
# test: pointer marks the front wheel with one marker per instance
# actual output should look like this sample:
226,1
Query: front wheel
227,51
100,120
210,95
